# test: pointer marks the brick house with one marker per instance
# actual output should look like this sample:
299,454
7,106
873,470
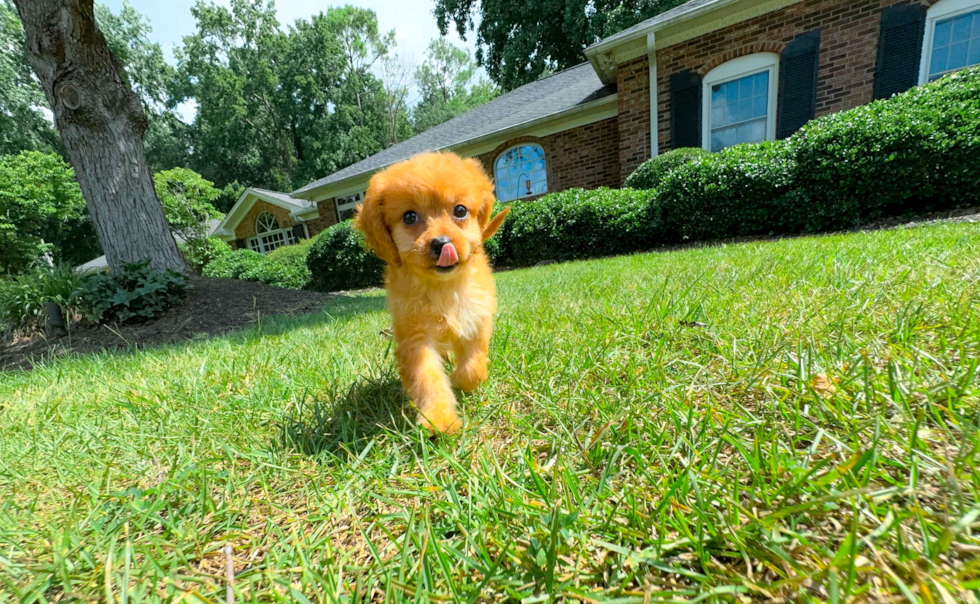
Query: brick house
724,72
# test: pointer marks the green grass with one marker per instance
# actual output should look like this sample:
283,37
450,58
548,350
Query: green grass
655,428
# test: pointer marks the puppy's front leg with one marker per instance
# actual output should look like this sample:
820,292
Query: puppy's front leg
472,357
420,366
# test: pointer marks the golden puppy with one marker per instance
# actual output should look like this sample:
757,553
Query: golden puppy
427,218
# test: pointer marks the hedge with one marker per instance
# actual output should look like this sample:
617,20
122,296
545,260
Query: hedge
916,152
338,260
284,267
652,172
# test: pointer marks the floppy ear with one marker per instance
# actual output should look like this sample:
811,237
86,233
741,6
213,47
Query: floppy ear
490,229
370,220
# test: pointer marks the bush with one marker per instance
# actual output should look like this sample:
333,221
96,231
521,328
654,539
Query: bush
23,298
916,152
135,293
284,267
574,224
738,192
338,260
198,253
652,172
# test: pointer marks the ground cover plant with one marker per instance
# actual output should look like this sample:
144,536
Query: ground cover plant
792,419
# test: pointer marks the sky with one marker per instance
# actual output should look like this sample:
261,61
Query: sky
413,22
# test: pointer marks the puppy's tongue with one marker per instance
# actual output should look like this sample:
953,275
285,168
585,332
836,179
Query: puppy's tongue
448,256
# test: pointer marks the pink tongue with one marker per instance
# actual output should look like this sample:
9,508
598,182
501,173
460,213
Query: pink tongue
448,256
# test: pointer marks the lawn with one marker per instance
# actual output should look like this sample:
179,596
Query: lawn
794,419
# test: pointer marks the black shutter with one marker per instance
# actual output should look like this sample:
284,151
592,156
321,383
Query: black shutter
298,231
899,49
685,113
240,244
798,83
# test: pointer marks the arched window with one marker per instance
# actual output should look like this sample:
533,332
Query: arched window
521,172
268,235
740,101
952,38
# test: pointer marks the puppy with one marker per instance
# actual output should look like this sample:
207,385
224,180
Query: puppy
427,218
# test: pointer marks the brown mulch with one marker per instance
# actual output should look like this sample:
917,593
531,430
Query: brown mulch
212,307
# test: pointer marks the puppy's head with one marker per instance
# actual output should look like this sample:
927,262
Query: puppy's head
429,214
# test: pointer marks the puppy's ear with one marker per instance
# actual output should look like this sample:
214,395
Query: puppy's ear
491,229
370,220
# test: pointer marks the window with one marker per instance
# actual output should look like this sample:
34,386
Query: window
347,206
952,38
520,172
268,235
740,102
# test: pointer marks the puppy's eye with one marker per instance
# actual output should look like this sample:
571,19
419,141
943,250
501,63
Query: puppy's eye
410,218
459,211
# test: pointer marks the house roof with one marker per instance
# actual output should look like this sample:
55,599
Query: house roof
674,15
532,102
284,197
296,207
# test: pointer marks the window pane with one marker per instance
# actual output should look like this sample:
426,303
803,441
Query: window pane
955,44
957,55
938,63
941,37
520,172
739,111
961,28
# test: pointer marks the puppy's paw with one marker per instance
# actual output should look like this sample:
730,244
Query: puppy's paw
440,421
468,377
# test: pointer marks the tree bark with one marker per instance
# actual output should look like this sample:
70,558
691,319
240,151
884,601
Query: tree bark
102,123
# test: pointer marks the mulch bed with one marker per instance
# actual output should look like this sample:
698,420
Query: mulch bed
213,306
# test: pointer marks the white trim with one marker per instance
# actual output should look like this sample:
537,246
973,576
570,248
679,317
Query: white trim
946,9
734,70
349,203
654,101
258,241
241,208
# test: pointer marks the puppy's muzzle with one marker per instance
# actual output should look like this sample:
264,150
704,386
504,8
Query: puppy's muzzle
445,252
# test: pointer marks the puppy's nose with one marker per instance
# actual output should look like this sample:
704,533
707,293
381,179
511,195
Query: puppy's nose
438,243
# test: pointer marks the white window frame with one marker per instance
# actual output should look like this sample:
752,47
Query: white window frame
544,158
349,202
737,69
270,240
946,9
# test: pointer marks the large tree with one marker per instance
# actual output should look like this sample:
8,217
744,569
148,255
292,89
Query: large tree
445,82
519,42
102,124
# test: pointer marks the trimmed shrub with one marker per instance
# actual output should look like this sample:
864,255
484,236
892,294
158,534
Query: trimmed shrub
201,252
338,260
916,152
652,172
135,293
286,266
240,264
23,298
575,224
740,191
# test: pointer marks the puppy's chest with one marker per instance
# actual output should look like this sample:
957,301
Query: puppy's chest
459,315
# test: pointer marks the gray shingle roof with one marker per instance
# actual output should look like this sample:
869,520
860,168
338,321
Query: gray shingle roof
539,99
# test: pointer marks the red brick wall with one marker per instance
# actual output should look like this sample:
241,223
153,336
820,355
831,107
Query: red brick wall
327,211
848,54
633,90
585,157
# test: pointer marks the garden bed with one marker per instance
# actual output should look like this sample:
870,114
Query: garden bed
213,306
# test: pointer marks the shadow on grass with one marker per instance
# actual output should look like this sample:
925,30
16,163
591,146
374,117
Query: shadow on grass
342,425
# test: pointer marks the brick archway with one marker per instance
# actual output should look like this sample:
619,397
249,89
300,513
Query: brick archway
773,46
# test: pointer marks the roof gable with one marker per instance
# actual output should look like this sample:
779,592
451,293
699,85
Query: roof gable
248,198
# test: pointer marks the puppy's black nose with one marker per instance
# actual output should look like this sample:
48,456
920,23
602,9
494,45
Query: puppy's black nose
438,243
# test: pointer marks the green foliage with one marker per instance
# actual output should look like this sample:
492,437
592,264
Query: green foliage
201,252
651,173
284,267
187,201
444,82
737,192
518,42
916,152
41,211
23,298
574,224
338,260
135,293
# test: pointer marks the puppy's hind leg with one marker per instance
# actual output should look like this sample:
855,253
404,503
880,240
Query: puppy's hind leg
425,382
472,357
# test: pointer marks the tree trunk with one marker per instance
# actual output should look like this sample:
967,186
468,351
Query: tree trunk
102,123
